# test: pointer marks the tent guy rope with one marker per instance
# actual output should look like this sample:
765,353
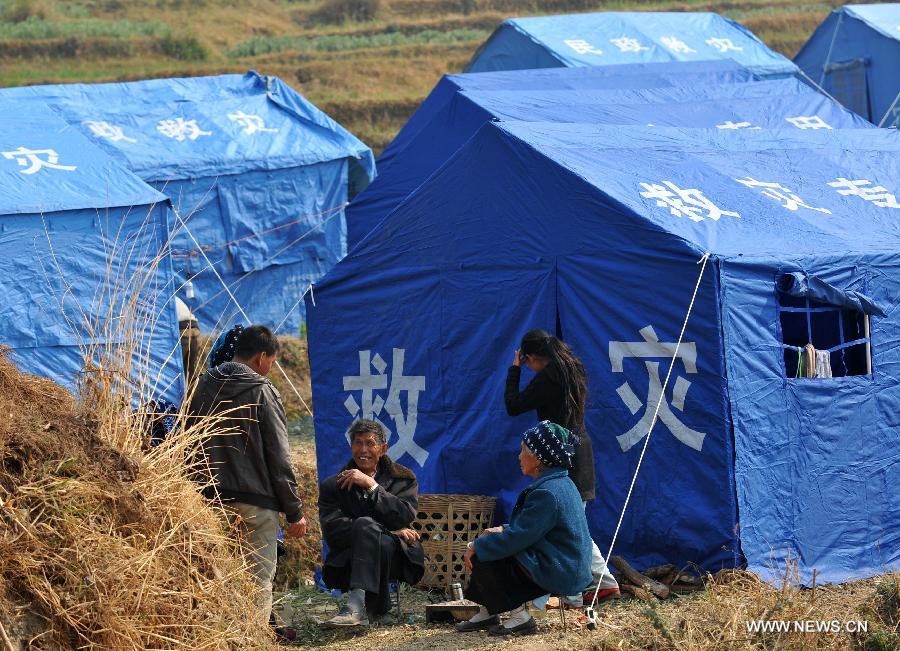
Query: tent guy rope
662,395
234,298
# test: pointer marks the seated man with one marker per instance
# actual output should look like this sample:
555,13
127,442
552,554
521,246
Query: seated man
366,511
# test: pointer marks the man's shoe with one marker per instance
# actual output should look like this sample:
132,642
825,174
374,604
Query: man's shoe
603,595
525,628
483,625
346,618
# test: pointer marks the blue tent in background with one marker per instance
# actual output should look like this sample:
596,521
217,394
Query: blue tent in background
855,56
616,37
258,174
82,261
766,104
596,233
367,209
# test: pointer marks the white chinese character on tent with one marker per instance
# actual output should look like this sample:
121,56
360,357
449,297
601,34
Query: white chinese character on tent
179,129
736,125
723,44
581,46
681,202
250,123
628,44
877,194
781,194
808,122
109,131
31,160
368,384
650,348
676,45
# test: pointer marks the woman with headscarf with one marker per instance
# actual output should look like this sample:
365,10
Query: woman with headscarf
545,547
558,393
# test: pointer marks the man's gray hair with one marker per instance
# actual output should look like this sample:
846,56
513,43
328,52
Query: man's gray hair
367,426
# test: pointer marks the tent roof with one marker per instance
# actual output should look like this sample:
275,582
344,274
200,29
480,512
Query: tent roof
628,75
294,132
883,17
592,176
96,181
564,35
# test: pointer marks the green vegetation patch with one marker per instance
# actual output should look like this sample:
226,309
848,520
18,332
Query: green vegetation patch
35,28
339,42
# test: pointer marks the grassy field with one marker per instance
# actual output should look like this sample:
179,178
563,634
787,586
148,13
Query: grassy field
368,63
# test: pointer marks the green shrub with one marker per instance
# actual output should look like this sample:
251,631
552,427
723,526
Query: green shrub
18,11
183,48
339,11
340,42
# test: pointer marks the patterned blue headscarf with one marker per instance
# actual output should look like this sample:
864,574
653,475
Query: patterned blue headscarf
224,346
551,444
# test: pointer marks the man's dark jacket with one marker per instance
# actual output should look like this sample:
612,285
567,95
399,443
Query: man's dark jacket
249,453
547,397
393,505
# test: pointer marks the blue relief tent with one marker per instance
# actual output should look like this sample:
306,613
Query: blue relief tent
617,37
596,233
82,263
765,104
259,175
369,207
855,56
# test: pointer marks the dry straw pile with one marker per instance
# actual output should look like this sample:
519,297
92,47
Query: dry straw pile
105,541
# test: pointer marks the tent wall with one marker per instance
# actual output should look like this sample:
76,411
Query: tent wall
816,459
451,282
857,64
269,235
509,48
67,280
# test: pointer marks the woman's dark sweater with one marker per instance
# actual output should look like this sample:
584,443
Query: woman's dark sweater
547,398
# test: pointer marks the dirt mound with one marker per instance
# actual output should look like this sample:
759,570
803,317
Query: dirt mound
103,546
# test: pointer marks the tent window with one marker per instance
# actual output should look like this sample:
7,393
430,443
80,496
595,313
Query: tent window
846,81
838,335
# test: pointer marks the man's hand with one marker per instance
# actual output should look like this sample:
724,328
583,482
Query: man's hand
296,529
517,361
407,535
467,558
492,530
347,479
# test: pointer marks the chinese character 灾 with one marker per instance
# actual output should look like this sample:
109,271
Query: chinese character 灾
723,44
250,123
649,348
31,160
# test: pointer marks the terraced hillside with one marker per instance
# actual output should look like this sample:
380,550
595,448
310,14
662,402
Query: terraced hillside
368,63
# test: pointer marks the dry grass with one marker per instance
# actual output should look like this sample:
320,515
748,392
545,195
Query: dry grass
105,541
371,91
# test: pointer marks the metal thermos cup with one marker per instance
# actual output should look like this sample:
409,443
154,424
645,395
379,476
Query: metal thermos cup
456,591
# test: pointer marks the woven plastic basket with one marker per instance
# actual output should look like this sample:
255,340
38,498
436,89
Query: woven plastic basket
447,523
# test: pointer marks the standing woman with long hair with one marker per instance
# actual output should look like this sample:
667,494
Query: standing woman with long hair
558,393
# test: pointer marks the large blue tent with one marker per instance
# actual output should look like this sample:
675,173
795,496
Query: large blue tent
83,265
855,56
259,176
765,104
360,217
616,37
599,234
